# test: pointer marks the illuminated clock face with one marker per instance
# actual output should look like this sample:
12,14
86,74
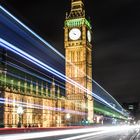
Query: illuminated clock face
74,34
89,36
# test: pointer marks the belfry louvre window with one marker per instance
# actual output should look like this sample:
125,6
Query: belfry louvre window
76,7
75,0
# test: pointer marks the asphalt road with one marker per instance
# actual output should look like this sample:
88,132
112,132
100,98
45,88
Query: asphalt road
116,136
95,133
100,135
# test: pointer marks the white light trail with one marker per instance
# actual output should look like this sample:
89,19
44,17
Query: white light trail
92,131
107,130
42,107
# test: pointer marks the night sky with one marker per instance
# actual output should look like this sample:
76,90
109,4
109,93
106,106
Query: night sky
116,38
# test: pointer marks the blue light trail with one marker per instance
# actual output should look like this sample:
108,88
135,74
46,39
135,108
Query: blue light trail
30,73
27,28
30,58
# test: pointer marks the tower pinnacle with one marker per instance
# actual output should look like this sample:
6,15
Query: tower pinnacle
77,9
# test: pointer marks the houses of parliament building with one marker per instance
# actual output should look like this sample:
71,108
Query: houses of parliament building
39,100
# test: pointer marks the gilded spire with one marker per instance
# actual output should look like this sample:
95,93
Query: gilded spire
77,9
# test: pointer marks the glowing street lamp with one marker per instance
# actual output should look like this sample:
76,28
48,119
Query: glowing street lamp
68,117
20,112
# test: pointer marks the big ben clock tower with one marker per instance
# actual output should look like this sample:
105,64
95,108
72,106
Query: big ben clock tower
78,53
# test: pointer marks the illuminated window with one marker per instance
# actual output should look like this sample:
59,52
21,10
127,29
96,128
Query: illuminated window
72,56
78,56
131,107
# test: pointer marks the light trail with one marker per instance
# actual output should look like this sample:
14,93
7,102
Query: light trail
52,48
18,67
23,69
44,86
35,75
32,59
37,106
107,130
80,71
32,32
30,73
92,132
54,97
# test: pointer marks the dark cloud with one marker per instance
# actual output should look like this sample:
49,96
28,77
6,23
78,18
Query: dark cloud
116,34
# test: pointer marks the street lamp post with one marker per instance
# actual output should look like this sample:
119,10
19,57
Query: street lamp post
20,112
